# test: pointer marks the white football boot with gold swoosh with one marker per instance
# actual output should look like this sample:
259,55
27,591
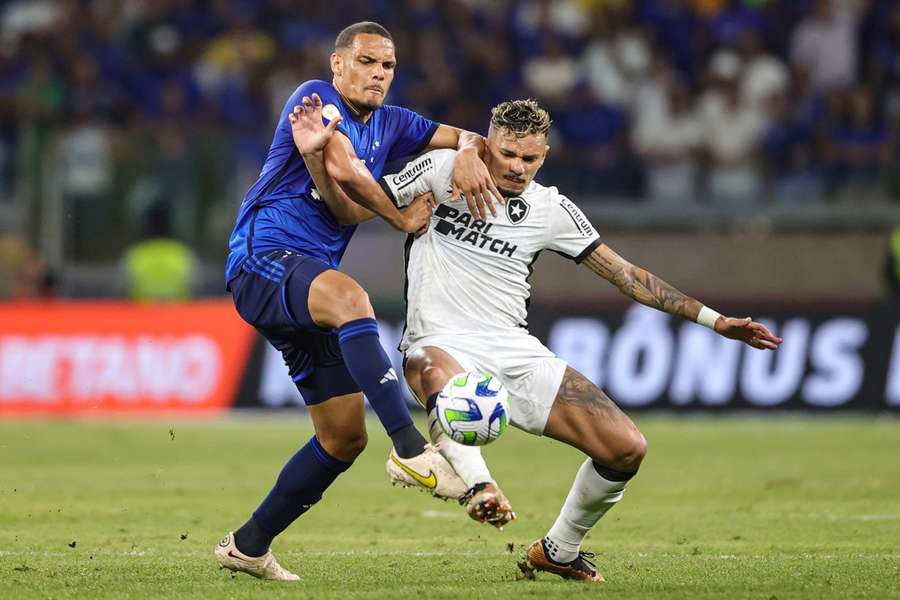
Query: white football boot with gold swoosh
428,471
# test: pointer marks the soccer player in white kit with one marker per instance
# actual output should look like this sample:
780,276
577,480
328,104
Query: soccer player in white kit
467,297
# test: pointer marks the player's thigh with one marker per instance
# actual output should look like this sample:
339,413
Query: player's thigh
583,416
282,291
427,371
340,424
335,298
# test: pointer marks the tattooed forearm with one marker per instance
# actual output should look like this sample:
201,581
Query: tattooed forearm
649,289
641,285
577,390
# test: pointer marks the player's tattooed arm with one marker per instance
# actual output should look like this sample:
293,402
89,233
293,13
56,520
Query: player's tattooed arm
648,289
641,285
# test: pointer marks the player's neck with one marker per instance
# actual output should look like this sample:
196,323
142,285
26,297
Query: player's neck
361,114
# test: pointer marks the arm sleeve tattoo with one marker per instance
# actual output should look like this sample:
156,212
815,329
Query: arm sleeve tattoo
641,285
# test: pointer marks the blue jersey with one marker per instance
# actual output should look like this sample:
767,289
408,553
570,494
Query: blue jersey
283,210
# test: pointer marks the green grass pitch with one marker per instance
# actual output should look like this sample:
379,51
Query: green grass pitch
723,508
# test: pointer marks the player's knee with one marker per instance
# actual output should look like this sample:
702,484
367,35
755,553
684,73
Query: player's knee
624,453
353,303
346,446
354,445
433,379
415,363
630,452
638,449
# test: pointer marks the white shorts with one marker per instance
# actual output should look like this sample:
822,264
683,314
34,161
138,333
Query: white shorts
531,373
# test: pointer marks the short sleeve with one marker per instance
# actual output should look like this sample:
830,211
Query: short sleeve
412,130
427,173
570,232
331,102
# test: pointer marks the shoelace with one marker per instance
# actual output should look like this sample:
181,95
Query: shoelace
586,559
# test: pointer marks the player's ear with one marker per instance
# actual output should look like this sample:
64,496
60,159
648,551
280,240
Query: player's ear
337,64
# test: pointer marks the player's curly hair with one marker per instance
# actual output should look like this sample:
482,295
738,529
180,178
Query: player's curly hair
521,117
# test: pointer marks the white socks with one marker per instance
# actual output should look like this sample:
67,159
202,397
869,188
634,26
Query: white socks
588,500
465,460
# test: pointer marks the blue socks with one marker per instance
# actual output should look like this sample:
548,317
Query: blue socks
300,484
311,470
373,373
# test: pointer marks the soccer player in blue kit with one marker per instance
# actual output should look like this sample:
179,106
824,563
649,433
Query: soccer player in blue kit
282,273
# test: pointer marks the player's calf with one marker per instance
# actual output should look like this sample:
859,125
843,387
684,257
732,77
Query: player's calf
584,417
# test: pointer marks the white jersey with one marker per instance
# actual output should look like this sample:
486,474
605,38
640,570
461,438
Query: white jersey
468,275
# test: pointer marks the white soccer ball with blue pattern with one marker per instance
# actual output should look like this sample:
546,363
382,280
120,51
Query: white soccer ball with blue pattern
473,408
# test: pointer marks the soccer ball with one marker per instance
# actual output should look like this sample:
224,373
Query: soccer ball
473,408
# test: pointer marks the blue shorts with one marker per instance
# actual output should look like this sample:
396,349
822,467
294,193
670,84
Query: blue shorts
271,293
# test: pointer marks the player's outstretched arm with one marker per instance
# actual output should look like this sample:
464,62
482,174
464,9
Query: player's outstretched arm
471,177
311,136
650,290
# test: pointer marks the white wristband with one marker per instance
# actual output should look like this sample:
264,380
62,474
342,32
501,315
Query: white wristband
708,317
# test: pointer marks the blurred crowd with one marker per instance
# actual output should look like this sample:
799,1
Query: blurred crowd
117,107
